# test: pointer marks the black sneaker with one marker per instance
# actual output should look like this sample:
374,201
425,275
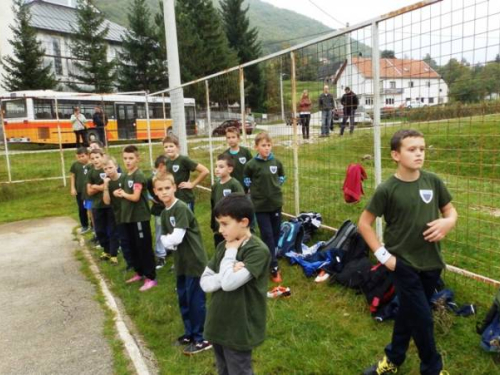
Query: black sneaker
382,367
160,263
197,347
183,341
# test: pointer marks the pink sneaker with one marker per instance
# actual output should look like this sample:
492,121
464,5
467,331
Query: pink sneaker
148,284
134,278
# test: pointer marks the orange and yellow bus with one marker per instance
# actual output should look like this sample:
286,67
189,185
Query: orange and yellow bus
30,116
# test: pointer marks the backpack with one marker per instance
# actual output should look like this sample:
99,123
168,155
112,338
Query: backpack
354,274
291,236
489,328
311,221
378,288
342,238
357,249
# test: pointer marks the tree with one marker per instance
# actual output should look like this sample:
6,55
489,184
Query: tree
142,64
431,62
93,71
26,69
387,54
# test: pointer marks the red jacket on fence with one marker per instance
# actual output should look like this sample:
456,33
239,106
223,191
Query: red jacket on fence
353,183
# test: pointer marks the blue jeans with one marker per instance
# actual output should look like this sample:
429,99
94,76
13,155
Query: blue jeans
414,320
192,305
326,118
269,226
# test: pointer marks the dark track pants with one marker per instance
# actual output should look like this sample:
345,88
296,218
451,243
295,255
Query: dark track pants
124,244
105,230
414,320
141,248
82,211
192,306
232,362
269,226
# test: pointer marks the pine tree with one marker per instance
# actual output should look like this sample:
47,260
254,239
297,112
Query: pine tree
142,62
93,71
244,40
26,69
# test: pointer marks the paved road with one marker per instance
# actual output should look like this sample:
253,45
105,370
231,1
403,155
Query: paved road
49,320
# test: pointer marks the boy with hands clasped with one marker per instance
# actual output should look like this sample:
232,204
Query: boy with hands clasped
411,202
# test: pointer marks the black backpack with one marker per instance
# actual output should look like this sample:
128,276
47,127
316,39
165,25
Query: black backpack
311,222
354,274
378,288
342,238
357,249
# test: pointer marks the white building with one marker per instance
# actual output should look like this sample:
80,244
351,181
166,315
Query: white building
403,82
54,21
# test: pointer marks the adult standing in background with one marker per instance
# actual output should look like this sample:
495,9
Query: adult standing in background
78,121
305,113
326,105
100,122
350,102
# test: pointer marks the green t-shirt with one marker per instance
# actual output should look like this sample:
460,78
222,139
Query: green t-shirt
156,206
134,212
80,171
181,169
407,207
190,257
96,177
237,319
241,158
220,191
115,201
265,189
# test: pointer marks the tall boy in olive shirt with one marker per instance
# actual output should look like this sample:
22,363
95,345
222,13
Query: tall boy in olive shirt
180,166
240,155
135,216
78,183
264,175
224,186
181,234
237,276
410,202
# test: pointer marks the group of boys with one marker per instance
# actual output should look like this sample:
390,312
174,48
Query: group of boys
237,275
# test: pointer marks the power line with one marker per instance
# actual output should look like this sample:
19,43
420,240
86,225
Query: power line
328,14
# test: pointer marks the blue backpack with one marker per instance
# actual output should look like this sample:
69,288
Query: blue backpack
291,236
489,328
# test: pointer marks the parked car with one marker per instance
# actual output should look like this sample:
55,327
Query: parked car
221,129
414,104
360,116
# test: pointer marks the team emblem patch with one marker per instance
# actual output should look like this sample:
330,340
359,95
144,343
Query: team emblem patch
243,160
273,169
226,192
102,175
172,220
426,195
130,184
175,168
84,170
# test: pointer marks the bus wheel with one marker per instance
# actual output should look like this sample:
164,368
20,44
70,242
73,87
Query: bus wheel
92,135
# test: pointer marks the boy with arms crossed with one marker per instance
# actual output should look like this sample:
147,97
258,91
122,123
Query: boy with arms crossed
224,186
264,175
410,202
237,276
180,167
135,216
181,233
240,155
78,179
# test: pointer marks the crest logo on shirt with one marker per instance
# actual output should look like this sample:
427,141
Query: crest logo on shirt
243,160
226,192
172,220
273,169
130,184
102,175
175,168
119,184
84,170
426,195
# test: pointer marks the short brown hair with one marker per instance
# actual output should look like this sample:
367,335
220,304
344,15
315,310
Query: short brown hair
233,129
171,139
397,138
228,159
263,136
131,149
164,177
97,151
82,150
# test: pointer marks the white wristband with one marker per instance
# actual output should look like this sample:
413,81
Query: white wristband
382,254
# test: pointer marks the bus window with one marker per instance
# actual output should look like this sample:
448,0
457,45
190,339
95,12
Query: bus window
43,109
14,108
66,108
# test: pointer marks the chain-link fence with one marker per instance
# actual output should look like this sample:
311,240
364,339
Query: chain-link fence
434,67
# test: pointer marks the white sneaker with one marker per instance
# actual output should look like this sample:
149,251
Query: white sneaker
322,276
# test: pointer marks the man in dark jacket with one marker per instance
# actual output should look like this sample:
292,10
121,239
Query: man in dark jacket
326,105
350,102
99,123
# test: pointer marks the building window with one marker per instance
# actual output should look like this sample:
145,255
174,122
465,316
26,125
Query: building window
431,100
56,48
392,84
369,100
422,99
410,84
389,101
428,83
408,99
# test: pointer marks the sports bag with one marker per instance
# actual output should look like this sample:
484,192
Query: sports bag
311,222
291,236
378,288
341,239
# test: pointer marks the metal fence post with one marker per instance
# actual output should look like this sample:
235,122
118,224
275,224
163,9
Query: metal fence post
377,155
164,115
59,136
150,145
242,105
209,124
296,185
7,159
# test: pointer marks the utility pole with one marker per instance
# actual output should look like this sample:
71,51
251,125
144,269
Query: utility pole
174,76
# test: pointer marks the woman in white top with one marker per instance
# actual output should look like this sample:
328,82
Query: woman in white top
78,121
